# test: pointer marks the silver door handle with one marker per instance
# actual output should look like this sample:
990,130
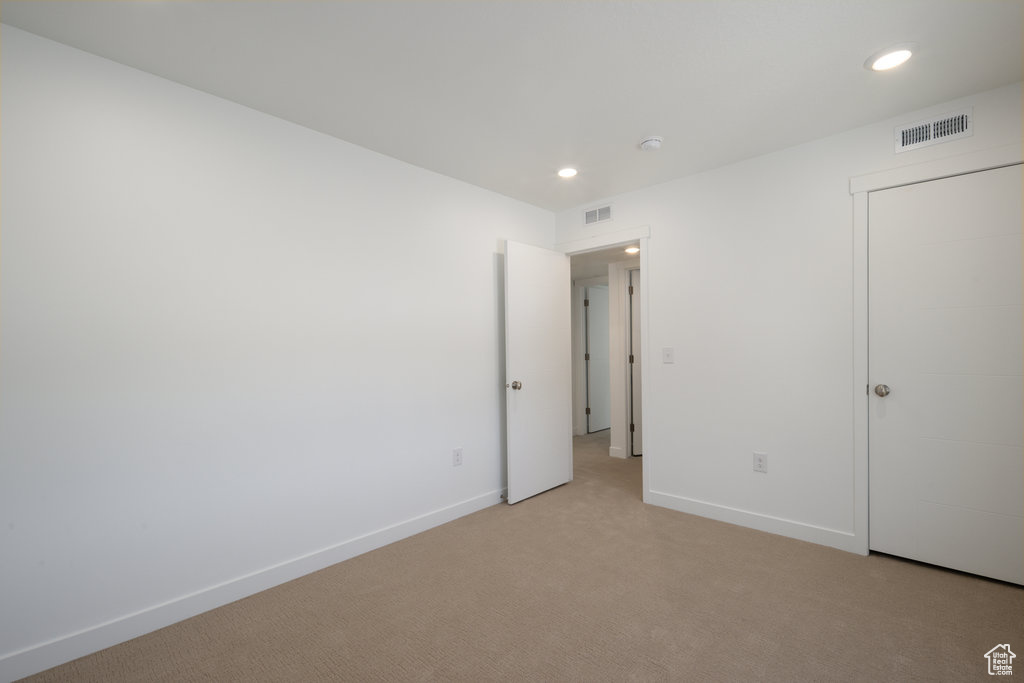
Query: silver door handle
882,390
517,385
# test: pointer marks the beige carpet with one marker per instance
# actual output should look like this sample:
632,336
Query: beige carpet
585,583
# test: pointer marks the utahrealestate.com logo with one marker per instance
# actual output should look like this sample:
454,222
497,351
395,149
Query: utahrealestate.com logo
1000,660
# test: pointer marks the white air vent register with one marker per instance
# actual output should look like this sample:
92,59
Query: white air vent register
943,128
603,213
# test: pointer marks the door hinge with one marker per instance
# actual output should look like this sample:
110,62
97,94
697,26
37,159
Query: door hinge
588,411
630,358
631,290
586,302
586,356
632,427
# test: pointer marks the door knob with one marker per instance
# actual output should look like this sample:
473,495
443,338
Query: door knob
882,390
517,385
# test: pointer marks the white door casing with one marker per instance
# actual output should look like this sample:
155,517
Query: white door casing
636,367
538,369
617,311
946,469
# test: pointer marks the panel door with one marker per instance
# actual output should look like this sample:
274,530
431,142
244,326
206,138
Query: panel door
946,461
538,369
599,393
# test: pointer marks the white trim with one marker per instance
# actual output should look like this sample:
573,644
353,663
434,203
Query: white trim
618,369
860,371
579,365
605,240
45,655
860,187
591,281
835,538
985,159
645,366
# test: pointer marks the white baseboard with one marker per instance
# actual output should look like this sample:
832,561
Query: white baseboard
616,452
835,538
45,655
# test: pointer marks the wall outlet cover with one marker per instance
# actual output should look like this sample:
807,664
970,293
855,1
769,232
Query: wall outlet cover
760,462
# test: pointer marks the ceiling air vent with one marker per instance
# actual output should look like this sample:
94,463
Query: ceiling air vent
603,213
933,131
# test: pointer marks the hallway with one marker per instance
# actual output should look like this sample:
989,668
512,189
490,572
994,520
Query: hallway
591,463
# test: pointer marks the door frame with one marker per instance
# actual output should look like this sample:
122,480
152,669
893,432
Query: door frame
618,298
860,187
579,369
635,417
640,236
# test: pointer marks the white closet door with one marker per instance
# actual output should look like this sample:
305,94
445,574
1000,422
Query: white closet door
946,460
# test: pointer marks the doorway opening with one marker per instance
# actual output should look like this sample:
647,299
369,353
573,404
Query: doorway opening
607,358
542,330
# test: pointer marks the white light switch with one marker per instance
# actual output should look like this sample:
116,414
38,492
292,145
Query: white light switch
668,355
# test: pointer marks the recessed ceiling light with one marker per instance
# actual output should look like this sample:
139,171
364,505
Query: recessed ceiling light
890,57
567,172
632,250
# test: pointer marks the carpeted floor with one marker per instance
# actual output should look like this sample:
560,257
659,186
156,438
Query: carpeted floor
586,583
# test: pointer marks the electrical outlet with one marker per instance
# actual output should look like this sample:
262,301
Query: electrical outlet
456,457
760,462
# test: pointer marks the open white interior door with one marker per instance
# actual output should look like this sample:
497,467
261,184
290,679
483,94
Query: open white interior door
636,432
538,369
599,394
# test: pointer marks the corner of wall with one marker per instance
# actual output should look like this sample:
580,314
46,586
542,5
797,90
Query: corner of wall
52,653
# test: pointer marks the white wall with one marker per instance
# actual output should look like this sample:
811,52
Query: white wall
232,350
750,280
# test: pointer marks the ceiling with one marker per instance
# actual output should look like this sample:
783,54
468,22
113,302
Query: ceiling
503,94
594,264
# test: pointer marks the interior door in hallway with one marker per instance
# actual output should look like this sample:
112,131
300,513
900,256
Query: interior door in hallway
599,398
636,432
538,369
946,480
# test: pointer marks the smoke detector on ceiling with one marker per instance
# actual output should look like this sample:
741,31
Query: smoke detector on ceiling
651,143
